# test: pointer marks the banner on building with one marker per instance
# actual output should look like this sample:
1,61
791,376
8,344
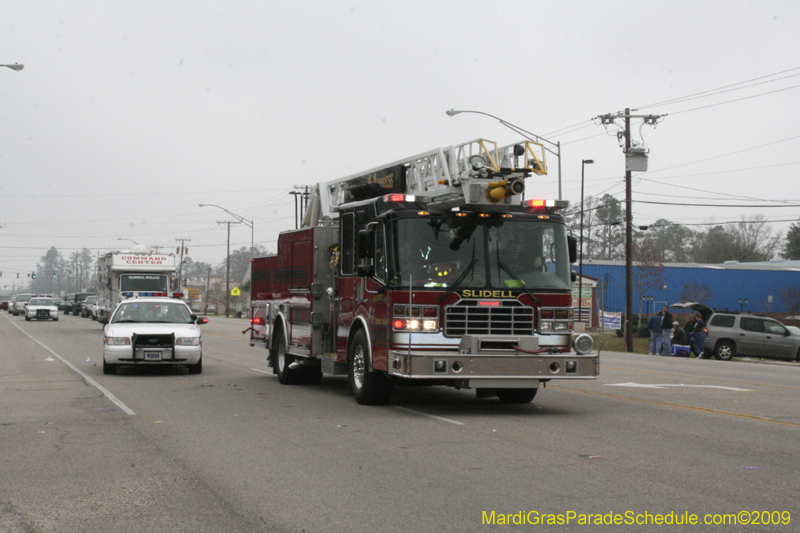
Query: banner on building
612,320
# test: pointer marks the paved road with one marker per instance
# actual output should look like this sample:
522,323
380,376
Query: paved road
233,450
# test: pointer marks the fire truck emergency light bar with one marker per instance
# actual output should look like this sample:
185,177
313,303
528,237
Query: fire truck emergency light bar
541,205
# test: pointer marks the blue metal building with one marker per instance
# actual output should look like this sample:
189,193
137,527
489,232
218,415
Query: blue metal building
772,287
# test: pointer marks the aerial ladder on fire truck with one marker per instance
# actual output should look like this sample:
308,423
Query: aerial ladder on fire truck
445,177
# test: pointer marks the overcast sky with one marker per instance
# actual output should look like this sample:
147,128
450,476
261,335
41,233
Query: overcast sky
128,114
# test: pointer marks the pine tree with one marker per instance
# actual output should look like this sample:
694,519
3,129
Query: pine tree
791,250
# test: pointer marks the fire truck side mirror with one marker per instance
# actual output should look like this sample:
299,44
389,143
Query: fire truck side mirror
572,244
364,244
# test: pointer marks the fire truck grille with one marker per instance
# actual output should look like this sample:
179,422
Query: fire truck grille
467,317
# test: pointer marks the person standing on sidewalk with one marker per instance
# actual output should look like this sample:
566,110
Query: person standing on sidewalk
654,325
666,329
699,335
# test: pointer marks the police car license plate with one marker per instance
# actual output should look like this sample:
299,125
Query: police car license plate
152,356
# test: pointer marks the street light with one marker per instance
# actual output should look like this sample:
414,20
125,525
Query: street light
741,305
524,133
240,219
15,66
580,265
124,239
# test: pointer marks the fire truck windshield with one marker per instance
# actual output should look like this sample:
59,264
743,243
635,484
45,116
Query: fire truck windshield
504,253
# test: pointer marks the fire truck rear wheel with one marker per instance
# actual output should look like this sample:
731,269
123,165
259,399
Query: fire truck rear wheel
282,360
368,387
516,395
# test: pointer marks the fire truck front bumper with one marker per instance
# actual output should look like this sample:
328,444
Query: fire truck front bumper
491,362
500,369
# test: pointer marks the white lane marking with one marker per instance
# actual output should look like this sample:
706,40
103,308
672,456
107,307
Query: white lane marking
92,382
429,416
662,385
262,371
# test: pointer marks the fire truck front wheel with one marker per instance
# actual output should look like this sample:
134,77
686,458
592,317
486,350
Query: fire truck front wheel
368,387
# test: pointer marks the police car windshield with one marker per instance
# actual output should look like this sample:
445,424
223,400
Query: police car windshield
152,312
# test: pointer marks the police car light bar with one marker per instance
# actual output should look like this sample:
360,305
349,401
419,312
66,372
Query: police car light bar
140,294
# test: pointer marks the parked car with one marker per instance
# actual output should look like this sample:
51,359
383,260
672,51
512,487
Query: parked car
4,301
20,301
731,333
100,310
211,308
77,300
153,331
41,309
68,299
87,306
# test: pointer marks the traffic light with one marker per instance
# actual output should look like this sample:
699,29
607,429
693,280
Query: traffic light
33,275
54,275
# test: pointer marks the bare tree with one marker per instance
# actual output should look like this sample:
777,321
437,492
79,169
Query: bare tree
790,297
695,292
755,239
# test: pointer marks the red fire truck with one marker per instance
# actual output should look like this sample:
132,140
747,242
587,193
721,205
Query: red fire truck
431,270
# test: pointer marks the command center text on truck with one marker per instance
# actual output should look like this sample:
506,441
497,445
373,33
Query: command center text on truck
432,270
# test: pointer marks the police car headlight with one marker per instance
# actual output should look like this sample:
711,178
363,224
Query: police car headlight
187,341
117,341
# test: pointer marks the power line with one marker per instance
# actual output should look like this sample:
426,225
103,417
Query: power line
725,88
713,205
735,100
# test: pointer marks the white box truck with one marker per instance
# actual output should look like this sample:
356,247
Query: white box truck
135,272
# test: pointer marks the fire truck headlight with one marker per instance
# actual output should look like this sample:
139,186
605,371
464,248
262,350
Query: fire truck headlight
415,318
546,326
430,325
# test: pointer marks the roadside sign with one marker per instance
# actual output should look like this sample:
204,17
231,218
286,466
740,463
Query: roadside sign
236,292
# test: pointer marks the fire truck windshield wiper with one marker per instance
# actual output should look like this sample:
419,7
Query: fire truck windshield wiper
459,279
516,278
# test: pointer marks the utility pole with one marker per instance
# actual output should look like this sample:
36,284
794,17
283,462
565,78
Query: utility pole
635,161
303,194
228,267
180,268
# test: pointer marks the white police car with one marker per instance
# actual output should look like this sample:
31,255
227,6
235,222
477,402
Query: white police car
41,309
153,330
